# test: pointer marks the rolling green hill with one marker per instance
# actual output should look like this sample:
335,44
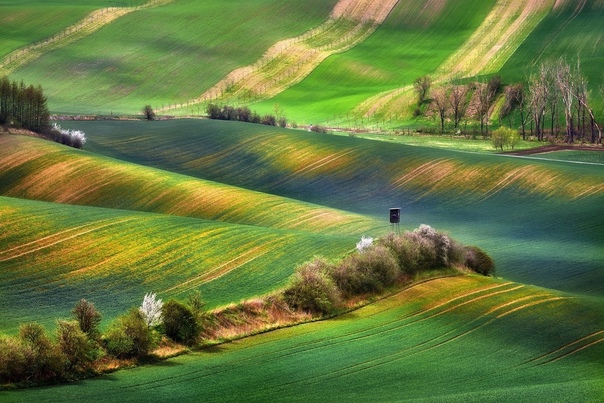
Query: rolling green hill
537,218
54,254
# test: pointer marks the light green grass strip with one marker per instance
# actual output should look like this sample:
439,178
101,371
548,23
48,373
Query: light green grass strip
87,26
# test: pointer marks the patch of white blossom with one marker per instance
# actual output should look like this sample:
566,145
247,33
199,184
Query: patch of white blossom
151,310
364,243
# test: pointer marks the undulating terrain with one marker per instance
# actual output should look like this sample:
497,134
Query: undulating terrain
230,209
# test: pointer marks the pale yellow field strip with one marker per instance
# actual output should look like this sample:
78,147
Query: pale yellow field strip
87,26
291,60
497,38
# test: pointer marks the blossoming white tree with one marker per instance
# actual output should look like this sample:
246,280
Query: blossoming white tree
364,243
151,309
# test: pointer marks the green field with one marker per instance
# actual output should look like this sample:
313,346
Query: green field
171,61
230,209
117,70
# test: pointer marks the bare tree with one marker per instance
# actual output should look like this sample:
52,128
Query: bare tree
422,88
566,85
539,90
484,103
580,94
458,102
439,102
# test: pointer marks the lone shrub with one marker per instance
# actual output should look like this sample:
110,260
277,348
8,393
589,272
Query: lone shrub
425,252
312,290
149,112
43,358
479,261
180,322
130,336
13,360
88,317
405,249
440,241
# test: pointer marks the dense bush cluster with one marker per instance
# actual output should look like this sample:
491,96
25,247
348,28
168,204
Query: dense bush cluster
320,286
79,345
23,106
243,114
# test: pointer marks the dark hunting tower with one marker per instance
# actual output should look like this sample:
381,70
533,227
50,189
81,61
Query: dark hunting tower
395,219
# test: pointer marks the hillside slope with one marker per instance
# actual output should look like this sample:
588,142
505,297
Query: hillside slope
322,61
52,255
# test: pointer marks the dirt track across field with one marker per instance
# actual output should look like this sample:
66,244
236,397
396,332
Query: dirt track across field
553,148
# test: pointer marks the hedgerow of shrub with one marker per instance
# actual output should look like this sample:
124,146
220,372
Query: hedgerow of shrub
243,114
317,287
129,336
180,322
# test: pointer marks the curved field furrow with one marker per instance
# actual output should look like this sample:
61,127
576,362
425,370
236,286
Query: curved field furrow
568,349
289,61
87,26
114,257
62,238
428,345
220,270
447,347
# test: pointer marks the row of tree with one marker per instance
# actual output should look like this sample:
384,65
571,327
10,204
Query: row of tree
23,105
557,89
245,114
